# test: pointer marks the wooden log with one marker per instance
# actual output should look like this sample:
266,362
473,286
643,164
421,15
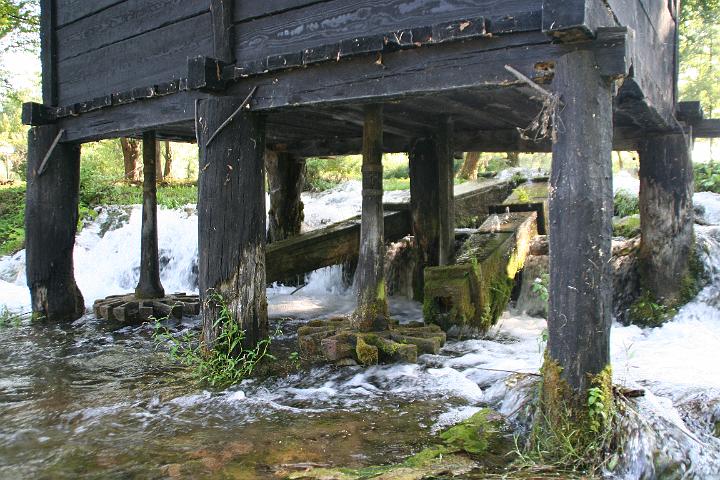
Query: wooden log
51,217
231,218
581,206
286,178
371,312
446,198
149,285
666,215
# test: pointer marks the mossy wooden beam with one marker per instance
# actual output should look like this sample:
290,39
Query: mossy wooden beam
469,297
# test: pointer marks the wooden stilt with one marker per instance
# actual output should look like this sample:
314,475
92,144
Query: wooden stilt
371,313
446,180
666,215
149,285
231,217
286,178
432,201
51,217
581,205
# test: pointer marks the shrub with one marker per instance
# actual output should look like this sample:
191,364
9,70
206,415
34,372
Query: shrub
626,204
707,177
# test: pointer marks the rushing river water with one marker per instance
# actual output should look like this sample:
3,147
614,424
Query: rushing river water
94,401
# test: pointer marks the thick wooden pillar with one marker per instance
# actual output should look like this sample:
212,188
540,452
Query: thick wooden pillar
286,178
51,217
149,285
231,217
666,215
432,201
581,206
371,312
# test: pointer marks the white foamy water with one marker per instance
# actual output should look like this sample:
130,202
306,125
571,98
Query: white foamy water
677,364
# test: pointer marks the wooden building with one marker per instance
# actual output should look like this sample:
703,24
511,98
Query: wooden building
325,77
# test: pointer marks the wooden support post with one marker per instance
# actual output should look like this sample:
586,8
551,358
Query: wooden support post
432,201
371,313
446,179
149,285
231,218
666,215
51,217
286,178
581,206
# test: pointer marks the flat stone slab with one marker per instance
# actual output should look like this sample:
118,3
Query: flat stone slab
336,342
131,310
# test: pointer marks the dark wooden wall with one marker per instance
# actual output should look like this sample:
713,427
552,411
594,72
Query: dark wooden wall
108,46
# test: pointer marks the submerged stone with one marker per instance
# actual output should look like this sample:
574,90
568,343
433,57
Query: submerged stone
337,342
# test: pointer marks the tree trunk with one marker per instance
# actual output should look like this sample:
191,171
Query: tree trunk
131,154
513,159
581,206
286,177
167,169
666,215
371,312
231,218
469,170
51,218
149,285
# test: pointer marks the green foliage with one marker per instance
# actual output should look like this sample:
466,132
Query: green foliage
626,204
9,318
19,21
522,195
699,53
13,134
707,177
647,311
540,287
325,173
12,218
227,362
596,409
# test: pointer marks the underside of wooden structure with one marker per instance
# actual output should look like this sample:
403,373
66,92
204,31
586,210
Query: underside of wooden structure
325,77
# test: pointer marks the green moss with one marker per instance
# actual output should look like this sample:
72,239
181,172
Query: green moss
627,227
474,435
572,430
367,354
647,311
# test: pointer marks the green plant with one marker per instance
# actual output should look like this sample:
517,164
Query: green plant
596,409
540,287
707,177
9,318
647,311
625,204
224,363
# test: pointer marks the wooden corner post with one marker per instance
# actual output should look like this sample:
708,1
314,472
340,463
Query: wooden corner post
580,235
286,178
666,215
371,312
231,217
51,218
149,285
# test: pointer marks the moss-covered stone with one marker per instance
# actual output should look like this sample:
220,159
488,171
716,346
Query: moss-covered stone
476,435
627,227
366,354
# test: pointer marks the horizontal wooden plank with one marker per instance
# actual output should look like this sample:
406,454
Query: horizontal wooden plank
245,11
73,10
152,58
122,21
707,128
329,23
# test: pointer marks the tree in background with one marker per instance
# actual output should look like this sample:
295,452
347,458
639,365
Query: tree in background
700,53
131,153
19,24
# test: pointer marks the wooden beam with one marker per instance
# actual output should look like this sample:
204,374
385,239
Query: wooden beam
48,51
51,217
446,182
580,233
371,311
572,20
707,128
149,285
223,30
231,219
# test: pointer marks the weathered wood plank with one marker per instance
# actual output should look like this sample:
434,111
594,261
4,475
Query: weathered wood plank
73,10
151,58
223,30
571,20
244,11
121,22
48,51
329,23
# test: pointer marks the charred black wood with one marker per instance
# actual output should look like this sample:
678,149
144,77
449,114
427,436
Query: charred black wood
51,217
149,285
231,218
286,179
